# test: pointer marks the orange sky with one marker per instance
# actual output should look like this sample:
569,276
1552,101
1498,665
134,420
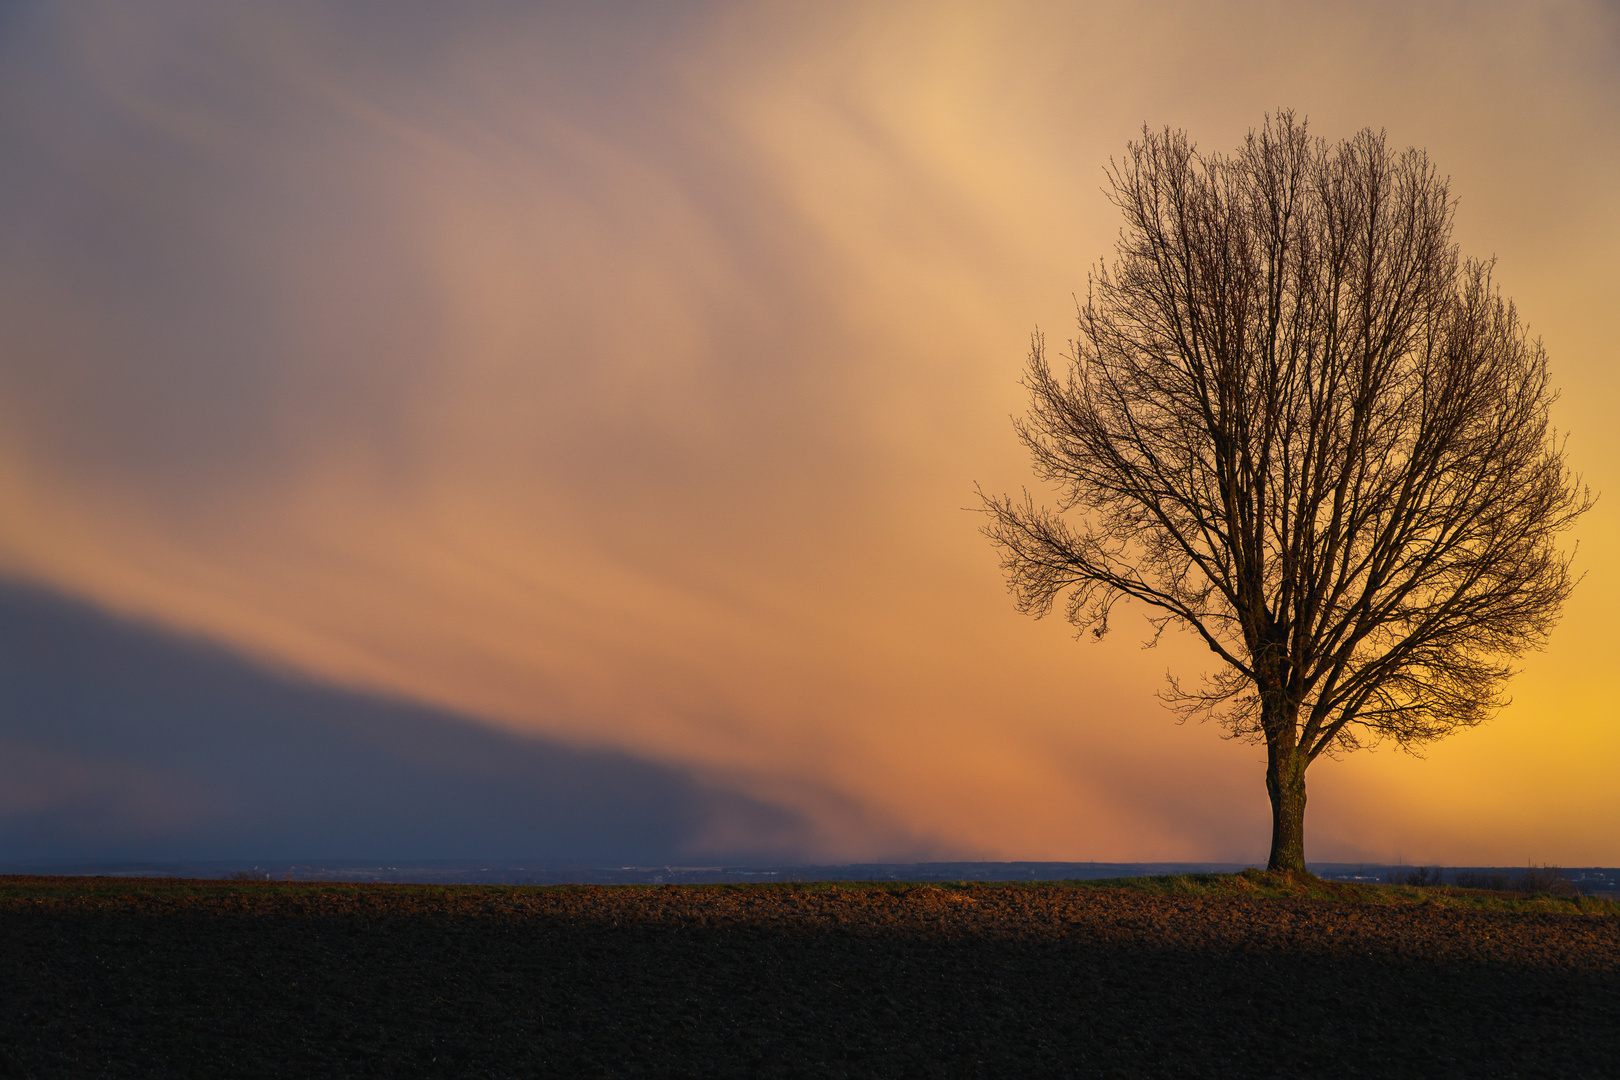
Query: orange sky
623,377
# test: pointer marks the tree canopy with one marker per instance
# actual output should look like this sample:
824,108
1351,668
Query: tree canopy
1299,424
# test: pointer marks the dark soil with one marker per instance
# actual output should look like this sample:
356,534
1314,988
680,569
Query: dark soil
165,978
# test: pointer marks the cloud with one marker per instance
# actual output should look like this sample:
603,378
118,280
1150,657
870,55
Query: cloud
119,740
618,375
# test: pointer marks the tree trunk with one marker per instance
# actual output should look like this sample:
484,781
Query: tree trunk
1285,783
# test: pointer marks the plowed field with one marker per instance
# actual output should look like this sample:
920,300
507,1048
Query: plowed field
102,977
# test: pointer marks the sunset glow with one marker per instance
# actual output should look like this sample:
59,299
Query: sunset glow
621,377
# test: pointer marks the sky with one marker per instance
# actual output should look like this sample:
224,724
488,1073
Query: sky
616,377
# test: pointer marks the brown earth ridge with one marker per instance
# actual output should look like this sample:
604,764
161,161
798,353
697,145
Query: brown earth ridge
1239,975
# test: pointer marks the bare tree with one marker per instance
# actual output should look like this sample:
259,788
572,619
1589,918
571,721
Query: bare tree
1296,423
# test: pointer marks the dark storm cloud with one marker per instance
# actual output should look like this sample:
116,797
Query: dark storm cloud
121,741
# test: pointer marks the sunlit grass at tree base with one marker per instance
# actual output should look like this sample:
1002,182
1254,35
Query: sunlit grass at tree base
1280,885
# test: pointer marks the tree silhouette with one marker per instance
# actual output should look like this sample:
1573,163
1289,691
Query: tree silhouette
1297,423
